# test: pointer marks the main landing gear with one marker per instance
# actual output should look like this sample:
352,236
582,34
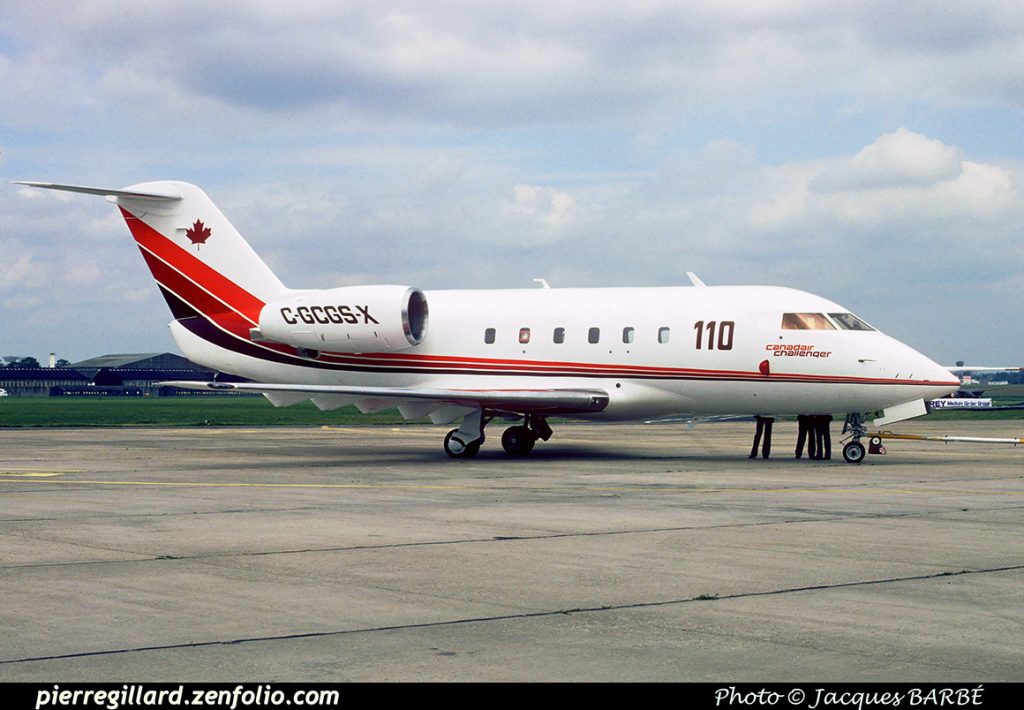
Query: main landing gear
519,440
457,448
464,442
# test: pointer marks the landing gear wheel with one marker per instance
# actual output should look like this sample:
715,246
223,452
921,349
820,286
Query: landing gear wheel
854,452
518,441
457,449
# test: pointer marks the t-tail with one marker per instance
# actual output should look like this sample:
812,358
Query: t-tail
231,312
199,260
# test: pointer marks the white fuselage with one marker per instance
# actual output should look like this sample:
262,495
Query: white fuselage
656,351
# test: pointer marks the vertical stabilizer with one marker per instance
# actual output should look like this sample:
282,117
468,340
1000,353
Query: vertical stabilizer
213,281
202,264
194,252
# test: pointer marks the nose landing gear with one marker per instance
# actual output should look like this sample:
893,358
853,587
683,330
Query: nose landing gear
854,451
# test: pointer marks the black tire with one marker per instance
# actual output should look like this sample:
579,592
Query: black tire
854,452
466,451
518,441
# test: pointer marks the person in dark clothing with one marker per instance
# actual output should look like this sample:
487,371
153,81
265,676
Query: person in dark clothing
822,436
803,423
825,445
764,428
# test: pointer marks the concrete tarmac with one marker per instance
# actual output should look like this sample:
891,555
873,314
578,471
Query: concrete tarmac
630,552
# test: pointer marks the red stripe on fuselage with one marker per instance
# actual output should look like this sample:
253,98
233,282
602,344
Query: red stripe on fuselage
207,304
517,366
223,288
209,307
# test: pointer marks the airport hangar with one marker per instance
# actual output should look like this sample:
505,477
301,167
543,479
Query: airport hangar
107,375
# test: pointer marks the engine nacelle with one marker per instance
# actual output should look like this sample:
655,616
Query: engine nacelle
351,319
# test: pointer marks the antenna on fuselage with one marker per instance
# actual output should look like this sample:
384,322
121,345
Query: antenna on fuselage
694,280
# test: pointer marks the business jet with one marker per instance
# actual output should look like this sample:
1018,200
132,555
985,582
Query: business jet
472,356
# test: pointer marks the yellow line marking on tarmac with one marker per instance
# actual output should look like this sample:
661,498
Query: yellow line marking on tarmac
34,473
405,431
217,431
201,484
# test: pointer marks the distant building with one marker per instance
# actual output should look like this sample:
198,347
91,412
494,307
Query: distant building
146,378
37,381
107,375
140,361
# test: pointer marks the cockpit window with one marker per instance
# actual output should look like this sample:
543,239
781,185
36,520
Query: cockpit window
806,321
848,321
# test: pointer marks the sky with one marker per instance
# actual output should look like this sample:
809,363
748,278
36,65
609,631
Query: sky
870,152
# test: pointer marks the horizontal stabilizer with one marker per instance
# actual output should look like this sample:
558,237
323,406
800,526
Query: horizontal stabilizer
104,192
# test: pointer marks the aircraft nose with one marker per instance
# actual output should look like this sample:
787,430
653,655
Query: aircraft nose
906,364
936,376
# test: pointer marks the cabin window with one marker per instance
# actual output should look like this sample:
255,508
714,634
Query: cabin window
594,335
524,336
628,335
489,336
663,334
806,321
559,336
848,321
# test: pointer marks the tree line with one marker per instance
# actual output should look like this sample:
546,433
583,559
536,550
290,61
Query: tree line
26,362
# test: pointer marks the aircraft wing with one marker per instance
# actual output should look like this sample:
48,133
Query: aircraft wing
441,405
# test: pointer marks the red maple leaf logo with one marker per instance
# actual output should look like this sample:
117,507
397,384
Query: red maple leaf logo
198,233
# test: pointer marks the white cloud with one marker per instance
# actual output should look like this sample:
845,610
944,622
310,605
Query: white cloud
902,180
980,190
18,270
461,144
544,205
899,159
508,63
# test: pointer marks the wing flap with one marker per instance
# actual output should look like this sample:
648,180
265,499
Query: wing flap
327,402
449,413
279,399
421,408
